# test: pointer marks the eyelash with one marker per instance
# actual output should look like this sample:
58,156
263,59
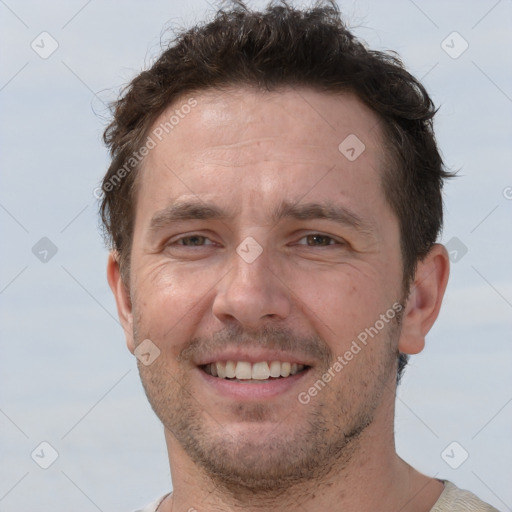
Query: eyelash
330,238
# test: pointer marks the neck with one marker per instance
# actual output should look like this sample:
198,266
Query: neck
373,478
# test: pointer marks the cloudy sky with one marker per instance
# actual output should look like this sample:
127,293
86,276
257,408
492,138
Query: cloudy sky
66,378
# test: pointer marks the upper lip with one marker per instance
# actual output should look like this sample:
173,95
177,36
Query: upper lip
254,355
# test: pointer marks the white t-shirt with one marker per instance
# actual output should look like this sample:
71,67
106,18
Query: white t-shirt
452,499
152,507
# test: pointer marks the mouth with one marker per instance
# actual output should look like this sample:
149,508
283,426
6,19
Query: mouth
257,372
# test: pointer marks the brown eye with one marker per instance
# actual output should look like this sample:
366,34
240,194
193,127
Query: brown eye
192,241
318,240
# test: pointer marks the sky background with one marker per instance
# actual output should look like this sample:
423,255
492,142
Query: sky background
66,377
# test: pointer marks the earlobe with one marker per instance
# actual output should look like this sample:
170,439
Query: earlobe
122,297
425,298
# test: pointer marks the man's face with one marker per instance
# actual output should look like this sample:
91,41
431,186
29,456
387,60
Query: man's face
237,257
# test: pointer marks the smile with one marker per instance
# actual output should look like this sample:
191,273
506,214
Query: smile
244,371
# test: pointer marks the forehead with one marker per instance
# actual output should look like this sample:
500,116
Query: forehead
231,116
290,141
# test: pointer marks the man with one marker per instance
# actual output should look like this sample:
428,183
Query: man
273,205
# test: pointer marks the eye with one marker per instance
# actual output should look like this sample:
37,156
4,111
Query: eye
191,241
318,240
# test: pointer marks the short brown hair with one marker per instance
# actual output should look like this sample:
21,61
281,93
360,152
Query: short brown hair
281,47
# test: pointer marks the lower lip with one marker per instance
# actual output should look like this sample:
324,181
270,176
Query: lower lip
253,390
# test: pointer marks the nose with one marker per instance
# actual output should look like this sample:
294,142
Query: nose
252,292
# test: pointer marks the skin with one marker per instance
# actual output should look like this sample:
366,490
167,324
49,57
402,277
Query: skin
306,296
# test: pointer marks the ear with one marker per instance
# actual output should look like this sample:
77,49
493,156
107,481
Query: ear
425,298
122,296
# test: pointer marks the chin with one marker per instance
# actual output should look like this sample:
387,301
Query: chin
266,457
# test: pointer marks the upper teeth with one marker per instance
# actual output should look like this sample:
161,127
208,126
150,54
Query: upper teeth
244,370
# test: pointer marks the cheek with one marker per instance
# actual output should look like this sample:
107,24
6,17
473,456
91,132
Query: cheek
169,301
341,304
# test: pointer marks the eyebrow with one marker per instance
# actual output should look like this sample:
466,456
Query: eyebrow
327,210
183,211
201,210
